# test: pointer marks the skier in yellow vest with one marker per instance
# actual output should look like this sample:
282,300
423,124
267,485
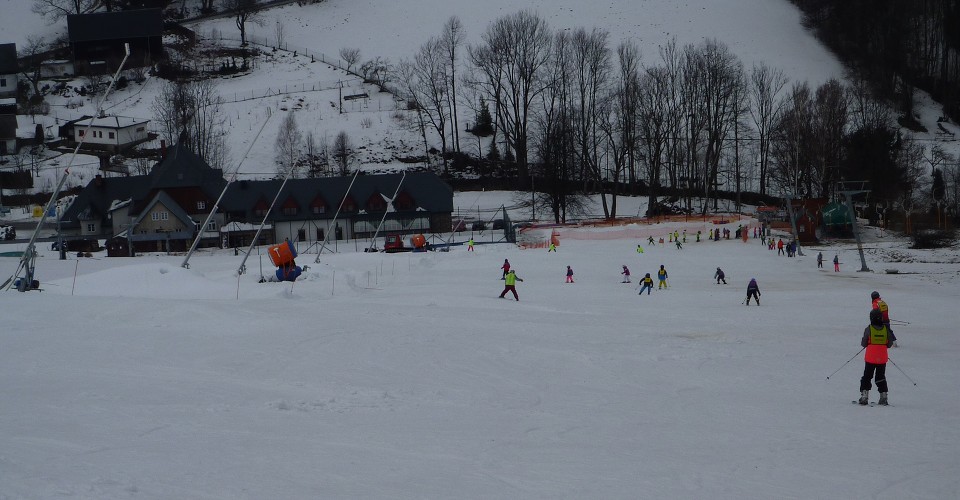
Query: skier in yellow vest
510,284
876,339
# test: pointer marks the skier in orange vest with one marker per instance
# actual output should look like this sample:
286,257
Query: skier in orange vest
876,339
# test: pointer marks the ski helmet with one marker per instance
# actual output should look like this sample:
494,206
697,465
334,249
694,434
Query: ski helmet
875,295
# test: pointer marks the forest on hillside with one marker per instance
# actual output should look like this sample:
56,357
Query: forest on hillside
895,44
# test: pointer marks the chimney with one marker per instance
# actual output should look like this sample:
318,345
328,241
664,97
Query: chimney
163,149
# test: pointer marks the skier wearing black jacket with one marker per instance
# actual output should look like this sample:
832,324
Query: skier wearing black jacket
753,290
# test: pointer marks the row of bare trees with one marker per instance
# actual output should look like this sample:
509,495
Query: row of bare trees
581,116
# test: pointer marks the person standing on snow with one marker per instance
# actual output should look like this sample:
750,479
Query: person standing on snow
510,284
553,247
506,268
876,339
626,274
836,263
662,276
780,246
470,245
819,260
880,305
569,275
720,276
753,290
646,283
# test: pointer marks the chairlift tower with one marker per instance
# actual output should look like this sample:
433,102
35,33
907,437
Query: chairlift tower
845,188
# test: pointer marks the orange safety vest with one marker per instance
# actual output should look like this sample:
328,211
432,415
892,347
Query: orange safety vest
876,351
884,310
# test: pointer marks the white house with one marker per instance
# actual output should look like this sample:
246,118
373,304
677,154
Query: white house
112,133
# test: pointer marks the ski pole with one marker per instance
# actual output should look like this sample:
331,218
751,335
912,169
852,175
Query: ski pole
845,364
901,371
900,321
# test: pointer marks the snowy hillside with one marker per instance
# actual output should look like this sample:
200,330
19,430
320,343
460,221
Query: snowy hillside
756,30
404,376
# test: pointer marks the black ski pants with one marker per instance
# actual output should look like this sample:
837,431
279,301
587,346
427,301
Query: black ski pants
873,371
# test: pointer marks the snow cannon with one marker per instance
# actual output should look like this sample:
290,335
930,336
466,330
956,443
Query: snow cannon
282,254
418,242
289,273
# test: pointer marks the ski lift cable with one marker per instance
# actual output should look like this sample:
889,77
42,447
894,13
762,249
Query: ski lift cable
26,261
216,205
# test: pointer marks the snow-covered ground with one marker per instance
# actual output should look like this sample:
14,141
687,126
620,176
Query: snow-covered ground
404,376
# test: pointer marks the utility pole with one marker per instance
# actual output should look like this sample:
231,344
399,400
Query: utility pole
848,195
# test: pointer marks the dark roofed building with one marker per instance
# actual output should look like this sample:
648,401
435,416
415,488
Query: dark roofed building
97,40
162,210
8,70
8,134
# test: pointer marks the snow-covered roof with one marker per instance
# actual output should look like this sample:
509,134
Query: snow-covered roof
113,122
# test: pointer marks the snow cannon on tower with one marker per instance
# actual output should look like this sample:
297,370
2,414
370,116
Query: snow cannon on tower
282,255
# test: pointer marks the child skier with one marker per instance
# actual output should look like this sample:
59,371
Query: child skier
753,290
626,274
506,268
569,275
646,283
876,339
836,263
880,305
662,276
510,284
720,276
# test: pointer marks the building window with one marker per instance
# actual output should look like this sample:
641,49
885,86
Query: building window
319,210
212,226
81,132
301,234
319,234
164,216
155,216
201,205
290,211
141,129
91,228
111,135
260,212
3,82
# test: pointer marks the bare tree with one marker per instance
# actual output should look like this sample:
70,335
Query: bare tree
553,137
766,106
376,70
722,90
426,80
31,57
591,74
512,59
452,39
830,119
54,10
190,113
287,146
343,153
867,112
244,11
350,56
317,156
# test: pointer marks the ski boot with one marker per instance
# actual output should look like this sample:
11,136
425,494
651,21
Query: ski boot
864,397
883,399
